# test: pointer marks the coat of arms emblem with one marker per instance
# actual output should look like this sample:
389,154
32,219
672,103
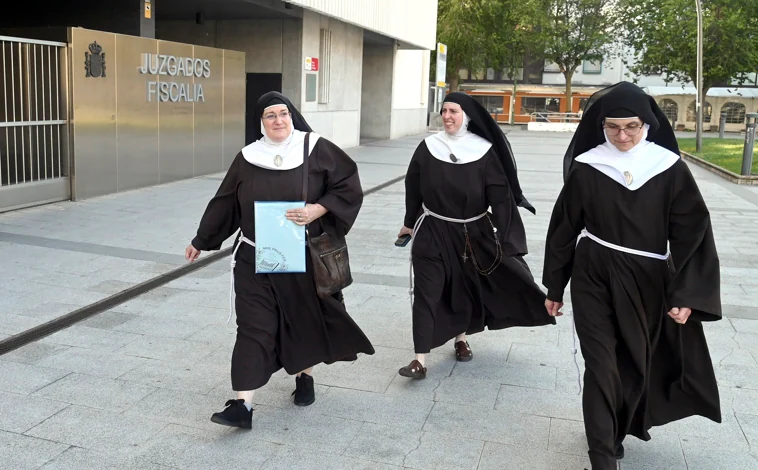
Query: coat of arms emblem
94,62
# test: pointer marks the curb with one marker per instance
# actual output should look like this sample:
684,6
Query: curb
64,321
717,170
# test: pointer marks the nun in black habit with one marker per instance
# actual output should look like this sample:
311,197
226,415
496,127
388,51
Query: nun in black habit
468,262
281,321
632,232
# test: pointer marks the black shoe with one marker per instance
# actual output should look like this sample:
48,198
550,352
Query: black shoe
236,414
619,452
304,393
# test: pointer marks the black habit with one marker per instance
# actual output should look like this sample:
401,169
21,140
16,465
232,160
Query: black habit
281,321
642,368
450,295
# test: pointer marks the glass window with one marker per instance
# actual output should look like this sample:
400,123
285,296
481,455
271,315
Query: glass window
493,104
735,113
707,112
592,68
670,109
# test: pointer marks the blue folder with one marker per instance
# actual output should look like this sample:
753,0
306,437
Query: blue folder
279,243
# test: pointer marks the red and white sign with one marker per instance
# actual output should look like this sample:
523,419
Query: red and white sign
311,64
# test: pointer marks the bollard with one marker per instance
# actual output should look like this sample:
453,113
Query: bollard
722,125
747,153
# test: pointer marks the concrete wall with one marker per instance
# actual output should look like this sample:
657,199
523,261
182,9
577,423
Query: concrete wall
410,21
269,45
338,120
410,92
377,93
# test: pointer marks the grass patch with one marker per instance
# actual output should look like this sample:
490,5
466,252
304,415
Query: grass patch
726,153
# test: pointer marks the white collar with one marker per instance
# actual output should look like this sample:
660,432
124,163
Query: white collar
630,169
263,152
467,147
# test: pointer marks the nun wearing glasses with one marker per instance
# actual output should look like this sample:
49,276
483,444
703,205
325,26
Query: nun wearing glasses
282,322
632,232
470,274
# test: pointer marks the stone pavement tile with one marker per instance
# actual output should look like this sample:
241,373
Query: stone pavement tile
48,311
374,408
160,328
468,391
737,311
19,452
192,410
536,402
107,320
385,444
662,451
32,353
739,376
91,362
305,459
196,377
101,430
749,425
721,356
90,338
443,452
354,376
744,401
111,286
701,454
303,428
77,458
26,378
167,349
489,425
215,334
727,434
11,324
539,336
21,413
567,437
505,457
495,369
94,392
545,355
193,449
745,326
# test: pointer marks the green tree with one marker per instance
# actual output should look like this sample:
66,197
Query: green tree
663,34
574,31
485,33
458,27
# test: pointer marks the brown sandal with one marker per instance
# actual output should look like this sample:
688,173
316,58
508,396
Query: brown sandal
414,370
463,352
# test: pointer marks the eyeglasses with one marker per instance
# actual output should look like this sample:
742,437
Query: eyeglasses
272,117
631,131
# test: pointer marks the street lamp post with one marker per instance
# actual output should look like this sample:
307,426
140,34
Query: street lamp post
699,84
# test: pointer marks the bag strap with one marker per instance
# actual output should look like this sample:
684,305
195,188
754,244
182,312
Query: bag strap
306,147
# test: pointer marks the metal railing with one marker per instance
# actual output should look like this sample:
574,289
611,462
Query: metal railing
555,117
32,133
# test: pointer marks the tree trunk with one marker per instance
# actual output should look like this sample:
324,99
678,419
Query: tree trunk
454,79
512,110
568,75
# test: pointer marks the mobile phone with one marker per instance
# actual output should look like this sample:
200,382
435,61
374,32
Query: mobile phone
403,241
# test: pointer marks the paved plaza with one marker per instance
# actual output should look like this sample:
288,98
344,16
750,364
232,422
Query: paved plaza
134,387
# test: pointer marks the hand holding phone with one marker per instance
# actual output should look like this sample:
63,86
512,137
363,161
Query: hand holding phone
402,240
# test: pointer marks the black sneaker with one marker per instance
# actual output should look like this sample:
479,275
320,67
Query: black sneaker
304,393
236,414
619,453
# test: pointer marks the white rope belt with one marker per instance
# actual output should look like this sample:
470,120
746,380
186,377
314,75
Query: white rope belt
233,263
631,251
420,222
